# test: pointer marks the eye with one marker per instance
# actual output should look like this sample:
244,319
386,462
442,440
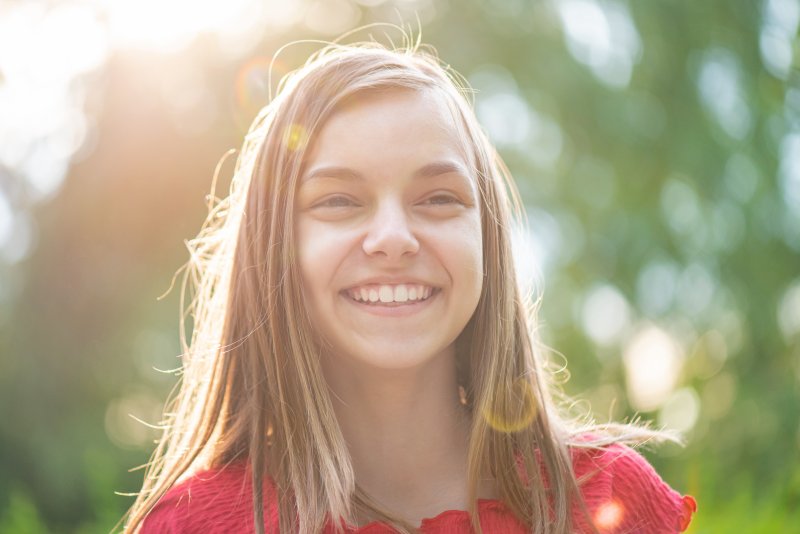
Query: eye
441,199
336,201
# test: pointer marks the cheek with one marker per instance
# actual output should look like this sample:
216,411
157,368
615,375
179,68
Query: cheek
473,237
309,250
476,258
463,251
320,250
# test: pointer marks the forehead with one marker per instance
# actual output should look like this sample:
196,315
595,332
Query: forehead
431,100
404,123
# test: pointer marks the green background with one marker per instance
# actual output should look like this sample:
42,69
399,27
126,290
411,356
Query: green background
657,147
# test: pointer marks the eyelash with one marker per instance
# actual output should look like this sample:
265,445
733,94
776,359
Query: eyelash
341,201
338,201
449,199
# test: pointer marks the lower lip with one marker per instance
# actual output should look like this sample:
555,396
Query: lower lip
397,309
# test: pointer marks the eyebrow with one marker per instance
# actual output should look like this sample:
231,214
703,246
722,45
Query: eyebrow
426,171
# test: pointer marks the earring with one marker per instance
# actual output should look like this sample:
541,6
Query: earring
462,396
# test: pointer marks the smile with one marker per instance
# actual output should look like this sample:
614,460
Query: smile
378,294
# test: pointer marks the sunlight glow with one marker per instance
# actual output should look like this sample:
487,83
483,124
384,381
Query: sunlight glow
603,37
535,245
295,137
609,515
252,91
681,410
528,256
191,104
719,82
6,219
511,121
46,56
605,314
331,17
51,54
129,420
781,19
171,25
514,410
40,46
506,118
653,364
500,107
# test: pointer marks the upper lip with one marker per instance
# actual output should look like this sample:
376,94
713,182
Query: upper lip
391,280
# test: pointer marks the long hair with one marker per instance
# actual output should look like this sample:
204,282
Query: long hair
252,388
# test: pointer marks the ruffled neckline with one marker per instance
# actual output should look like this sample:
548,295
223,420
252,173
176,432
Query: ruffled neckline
447,517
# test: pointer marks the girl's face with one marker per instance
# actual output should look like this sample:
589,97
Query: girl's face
389,231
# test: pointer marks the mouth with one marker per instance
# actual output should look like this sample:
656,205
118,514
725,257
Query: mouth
390,294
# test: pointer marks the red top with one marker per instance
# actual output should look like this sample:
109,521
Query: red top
623,494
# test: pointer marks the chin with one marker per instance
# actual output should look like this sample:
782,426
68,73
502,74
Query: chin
396,356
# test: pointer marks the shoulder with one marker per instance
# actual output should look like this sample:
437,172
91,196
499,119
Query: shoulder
209,502
624,494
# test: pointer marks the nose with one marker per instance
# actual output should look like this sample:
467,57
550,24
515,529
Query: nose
390,233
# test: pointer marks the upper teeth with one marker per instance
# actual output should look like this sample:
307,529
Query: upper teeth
390,293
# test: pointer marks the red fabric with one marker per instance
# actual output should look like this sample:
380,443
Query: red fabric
622,491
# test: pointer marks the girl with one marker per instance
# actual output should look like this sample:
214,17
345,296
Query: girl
361,357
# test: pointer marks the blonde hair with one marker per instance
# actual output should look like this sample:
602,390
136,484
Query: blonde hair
252,386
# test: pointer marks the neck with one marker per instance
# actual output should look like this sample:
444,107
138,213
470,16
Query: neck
407,433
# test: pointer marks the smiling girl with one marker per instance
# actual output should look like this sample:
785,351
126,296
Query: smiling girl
361,359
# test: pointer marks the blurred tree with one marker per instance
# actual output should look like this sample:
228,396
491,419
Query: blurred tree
657,147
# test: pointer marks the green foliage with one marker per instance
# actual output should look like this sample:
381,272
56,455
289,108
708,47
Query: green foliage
666,190
749,511
21,516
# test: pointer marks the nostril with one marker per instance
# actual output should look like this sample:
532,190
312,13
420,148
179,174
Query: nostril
390,238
